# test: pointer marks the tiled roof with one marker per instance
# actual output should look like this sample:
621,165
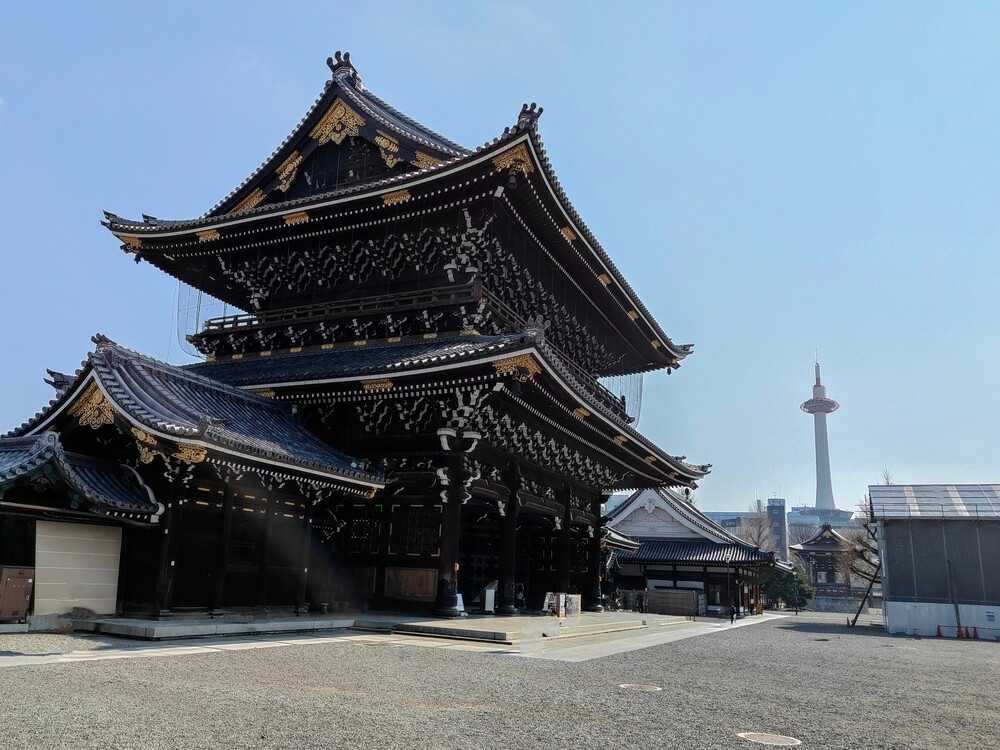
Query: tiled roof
702,552
109,488
181,404
935,500
362,360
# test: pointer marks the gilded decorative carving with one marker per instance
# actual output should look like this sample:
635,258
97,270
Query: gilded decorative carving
425,161
388,147
515,159
249,202
632,315
517,365
568,233
298,217
190,454
287,171
133,242
208,235
339,122
604,279
146,445
620,439
400,196
93,409
656,343
266,393
581,413
650,459
143,437
377,386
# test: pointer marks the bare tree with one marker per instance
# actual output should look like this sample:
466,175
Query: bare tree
864,562
801,532
886,475
755,527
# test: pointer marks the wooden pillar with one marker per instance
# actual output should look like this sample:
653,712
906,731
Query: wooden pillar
264,554
303,574
168,551
596,562
449,601
382,548
507,587
563,569
222,557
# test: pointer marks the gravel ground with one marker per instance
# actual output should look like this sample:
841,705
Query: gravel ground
18,644
807,676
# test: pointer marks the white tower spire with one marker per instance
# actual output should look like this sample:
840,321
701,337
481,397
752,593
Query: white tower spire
819,406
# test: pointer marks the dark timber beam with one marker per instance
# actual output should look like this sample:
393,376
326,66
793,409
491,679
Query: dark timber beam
562,570
508,544
454,495
168,551
595,566
222,557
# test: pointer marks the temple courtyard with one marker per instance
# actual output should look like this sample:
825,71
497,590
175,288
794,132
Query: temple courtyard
807,677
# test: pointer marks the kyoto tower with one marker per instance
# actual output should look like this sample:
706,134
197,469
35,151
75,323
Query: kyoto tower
819,406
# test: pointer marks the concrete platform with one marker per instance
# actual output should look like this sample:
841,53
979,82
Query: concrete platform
203,626
481,628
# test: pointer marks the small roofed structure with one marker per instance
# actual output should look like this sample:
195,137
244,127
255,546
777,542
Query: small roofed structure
940,550
826,557
685,562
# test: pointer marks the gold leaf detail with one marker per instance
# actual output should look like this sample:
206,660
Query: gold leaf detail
400,196
287,171
146,455
650,459
339,122
632,315
266,393
207,235
143,437
515,159
299,217
620,439
520,365
377,386
132,242
568,233
388,147
656,343
93,409
249,202
604,279
581,413
190,454
425,161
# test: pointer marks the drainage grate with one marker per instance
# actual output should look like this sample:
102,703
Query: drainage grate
643,688
775,740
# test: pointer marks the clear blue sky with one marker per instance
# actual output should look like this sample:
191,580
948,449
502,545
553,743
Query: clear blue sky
771,177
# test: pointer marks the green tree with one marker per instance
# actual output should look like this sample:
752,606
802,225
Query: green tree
790,587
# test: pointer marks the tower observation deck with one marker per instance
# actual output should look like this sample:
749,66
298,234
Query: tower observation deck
819,406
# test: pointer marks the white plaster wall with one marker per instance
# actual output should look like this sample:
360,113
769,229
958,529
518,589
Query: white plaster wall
920,618
658,524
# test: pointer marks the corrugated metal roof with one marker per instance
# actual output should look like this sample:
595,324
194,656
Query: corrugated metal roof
935,500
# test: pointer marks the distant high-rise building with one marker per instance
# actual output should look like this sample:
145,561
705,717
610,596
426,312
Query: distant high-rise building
779,526
819,406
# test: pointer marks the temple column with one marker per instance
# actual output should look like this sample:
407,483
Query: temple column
453,477
595,566
264,554
562,577
222,557
303,572
168,551
508,545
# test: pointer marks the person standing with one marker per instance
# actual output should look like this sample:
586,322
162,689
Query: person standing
732,614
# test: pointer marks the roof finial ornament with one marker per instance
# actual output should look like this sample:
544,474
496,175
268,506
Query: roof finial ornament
342,67
102,341
528,116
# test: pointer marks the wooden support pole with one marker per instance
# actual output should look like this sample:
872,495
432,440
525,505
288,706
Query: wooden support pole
563,569
264,554
168,551
449,601
507,587
596,562
222,556
303,572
